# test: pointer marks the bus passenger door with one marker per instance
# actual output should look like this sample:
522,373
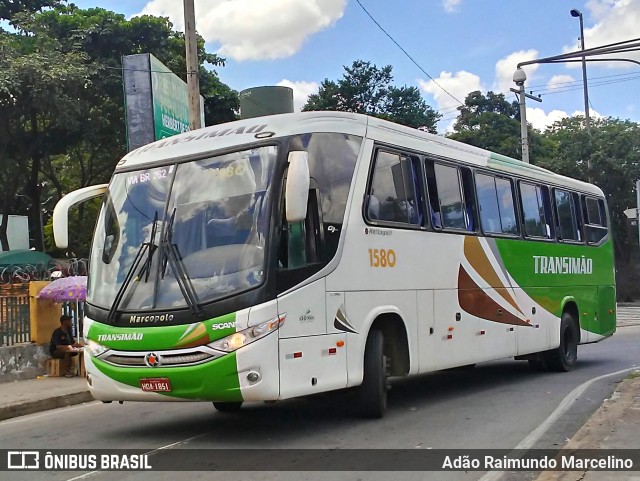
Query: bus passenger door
310,359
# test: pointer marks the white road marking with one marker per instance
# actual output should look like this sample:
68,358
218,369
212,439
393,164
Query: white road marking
148,453
563,407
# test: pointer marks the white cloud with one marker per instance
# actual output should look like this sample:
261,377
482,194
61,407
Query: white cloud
506,67
615,21
254,29
593,114
559,82
540,120
450,6
301,91
459,85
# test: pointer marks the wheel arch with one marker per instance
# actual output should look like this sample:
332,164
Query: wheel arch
570,306
396,340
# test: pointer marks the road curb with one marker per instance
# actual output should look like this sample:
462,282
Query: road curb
602,429
31,407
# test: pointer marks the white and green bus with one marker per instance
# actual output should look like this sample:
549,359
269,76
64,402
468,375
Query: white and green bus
294,254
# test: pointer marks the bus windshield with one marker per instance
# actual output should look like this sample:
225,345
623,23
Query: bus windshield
211,214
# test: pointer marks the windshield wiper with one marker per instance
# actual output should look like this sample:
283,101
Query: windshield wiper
144,247
171,255
146,268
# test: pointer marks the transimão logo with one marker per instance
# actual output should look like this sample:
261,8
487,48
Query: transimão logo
134,336
562,265
224,325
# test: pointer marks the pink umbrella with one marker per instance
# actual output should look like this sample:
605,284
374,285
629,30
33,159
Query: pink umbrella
72,288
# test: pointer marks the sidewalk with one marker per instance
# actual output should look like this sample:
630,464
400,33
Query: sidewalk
34,395
628,314
615,425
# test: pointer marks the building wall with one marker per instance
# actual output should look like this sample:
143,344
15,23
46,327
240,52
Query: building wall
17,232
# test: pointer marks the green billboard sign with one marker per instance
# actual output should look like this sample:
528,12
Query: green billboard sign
157,101
170,101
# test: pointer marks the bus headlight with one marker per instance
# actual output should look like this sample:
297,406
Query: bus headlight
95,349
240,339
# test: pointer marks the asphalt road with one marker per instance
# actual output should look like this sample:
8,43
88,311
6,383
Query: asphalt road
495,405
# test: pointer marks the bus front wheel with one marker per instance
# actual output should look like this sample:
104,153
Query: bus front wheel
372,393
565,357
227,407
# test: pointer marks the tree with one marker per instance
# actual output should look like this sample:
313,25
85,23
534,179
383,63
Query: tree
8,8
491,122
367,89
39,114
72,58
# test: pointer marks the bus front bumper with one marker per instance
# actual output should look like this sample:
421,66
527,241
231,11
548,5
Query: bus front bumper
248,374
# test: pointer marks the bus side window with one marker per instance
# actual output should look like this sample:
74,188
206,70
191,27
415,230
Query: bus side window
545,196
447,197
497,205
595,219
567,222
471,211
578,213
535,212
432,198
393,194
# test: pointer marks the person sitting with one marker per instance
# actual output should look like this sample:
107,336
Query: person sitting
63,345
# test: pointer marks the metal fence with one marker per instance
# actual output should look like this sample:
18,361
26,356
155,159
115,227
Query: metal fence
23,273
76,311
15,326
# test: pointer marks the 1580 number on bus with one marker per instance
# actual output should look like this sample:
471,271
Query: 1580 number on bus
382,258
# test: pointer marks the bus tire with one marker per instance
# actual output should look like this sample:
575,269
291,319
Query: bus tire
565,357
372,393
227,407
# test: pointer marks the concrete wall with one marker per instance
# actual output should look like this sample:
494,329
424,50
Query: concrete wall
22,361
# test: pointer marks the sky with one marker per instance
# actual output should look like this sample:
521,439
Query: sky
458,45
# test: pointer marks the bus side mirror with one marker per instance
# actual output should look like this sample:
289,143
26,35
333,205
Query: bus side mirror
297,193
61,211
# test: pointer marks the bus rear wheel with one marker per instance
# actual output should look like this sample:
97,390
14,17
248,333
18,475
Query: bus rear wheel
372,393
565,357
227,407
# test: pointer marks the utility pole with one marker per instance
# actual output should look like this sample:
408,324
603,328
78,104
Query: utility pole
638,206
587,119
519,77
193,79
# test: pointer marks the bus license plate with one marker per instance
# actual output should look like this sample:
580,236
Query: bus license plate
156,384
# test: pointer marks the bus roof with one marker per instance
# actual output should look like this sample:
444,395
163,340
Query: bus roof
242,132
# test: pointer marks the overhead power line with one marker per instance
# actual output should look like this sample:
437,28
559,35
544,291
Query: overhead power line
407,53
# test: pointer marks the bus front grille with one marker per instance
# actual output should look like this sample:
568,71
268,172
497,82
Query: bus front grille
166,360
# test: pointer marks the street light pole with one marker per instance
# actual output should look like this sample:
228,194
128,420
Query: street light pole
587,119
193,80
519,78
638,207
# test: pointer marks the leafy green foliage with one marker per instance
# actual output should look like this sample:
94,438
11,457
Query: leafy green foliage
9,8
367,89
491,122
